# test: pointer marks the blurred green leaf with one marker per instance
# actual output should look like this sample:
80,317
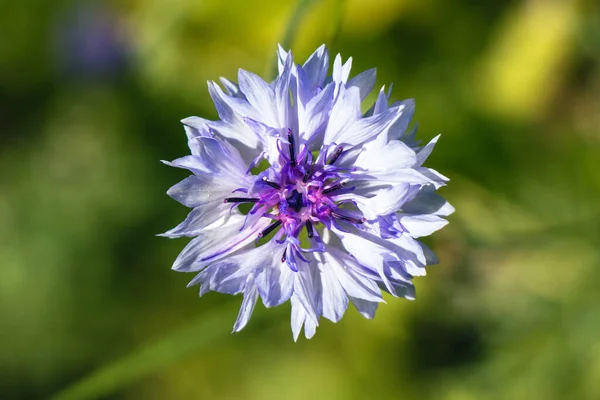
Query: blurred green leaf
291,28
207,329
336,24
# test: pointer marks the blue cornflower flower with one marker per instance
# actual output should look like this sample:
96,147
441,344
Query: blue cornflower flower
352,184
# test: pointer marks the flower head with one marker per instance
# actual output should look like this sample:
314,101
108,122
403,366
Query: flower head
333,217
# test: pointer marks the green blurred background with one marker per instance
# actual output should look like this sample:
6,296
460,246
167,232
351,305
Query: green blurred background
91,94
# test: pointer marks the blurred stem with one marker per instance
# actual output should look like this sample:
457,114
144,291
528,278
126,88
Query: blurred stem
291,29
200,333
336,26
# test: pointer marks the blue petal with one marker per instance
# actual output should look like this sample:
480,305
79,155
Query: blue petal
232,88
225,277
366,308
304,290
364,82
334,297
240,137
377,253
195,127
199,218
260,95
344,113
316,116
398,129
352,277
381,104
229,108
190,191
286,95
212,156
423,153
316,67
275,282
281,57
214,244
365,129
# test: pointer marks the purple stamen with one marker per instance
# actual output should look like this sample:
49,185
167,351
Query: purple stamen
307,173
335,156
309,229
306,184
283,257
272,184
334,188
292,147
269,229
240,200
349,219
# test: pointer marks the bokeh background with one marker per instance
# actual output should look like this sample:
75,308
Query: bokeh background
91,94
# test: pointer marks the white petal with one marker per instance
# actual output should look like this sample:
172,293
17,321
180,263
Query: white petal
260,95
365,129
369,254
351,276
195,127
388,200
408,243
229,274
316,115
298,316
341,72
412,255
281,57
197,190
334,297
422,225
231,127
276,280
212,156
438,180
224,276
345,111
310,328
304,290
200,218
386,157
214,244
379,254
230,109
250,296
409,175
285,97
205,187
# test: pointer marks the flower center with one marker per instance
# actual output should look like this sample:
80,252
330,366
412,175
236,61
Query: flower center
295,201
300,193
